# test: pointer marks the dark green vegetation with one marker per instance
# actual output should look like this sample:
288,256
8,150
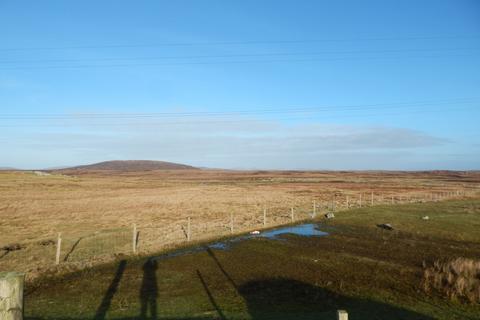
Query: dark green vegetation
371,272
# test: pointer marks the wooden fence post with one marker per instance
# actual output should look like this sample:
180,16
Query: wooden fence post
189,229
360,200
292,214
11,295
59,248
134,238
347,203
342,315
264,216
231,223
393,200
314,209
371,199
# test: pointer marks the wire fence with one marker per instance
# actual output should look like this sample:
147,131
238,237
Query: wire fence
100,243
105,245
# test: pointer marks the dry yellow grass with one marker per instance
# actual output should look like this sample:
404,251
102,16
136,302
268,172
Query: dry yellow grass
456,279
95,211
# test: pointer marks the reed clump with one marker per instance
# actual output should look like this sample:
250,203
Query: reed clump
458,279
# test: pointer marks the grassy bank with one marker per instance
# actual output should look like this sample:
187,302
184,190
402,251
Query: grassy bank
371,272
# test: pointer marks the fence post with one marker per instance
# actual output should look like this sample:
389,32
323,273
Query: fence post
371,199
231,223
342,315
292,214
189,229
11,295
134,238
264,216
59,248
314,209
348,205
393,200
360,200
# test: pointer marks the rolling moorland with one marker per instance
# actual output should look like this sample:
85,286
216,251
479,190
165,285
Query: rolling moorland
95,210
368,270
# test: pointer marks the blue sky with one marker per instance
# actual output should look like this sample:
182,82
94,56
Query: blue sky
241,84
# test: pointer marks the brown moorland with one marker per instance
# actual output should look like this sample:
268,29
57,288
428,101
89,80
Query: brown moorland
95,210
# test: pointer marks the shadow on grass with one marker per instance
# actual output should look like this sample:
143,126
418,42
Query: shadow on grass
210,296
112,289
265,298
149,290
72,248
281,298
4,254
222,269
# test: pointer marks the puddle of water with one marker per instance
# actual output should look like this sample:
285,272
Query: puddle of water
304,230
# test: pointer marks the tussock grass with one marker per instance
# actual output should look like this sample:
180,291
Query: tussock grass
95,211
458,279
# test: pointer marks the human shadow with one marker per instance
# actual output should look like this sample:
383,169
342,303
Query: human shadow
149,290
281,298
112,289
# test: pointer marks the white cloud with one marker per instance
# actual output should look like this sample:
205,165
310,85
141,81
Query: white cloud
244,143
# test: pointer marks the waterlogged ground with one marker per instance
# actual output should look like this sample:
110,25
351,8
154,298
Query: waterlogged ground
305,229
371,272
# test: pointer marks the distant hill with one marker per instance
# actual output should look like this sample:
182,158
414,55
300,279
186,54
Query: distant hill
132,165
7,169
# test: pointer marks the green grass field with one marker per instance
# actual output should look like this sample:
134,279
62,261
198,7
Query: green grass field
370,272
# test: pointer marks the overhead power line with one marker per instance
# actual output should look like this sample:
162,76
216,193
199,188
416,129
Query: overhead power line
273,54
252,111
248,42
126,65
411,112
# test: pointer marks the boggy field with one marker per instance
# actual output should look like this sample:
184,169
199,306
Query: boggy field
371,272
95,210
